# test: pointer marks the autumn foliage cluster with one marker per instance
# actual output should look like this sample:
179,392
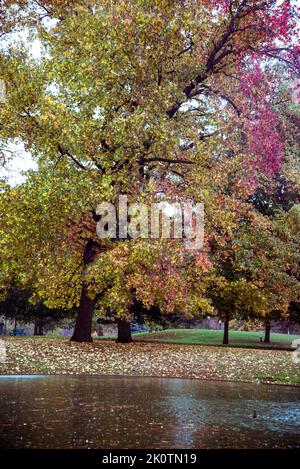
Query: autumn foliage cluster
160,100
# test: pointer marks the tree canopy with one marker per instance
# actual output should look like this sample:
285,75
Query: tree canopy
172,99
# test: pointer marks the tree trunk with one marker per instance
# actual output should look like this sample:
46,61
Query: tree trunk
226,332
38,327
267,332
124,332
83,327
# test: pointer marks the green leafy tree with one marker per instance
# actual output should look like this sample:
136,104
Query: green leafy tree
17,307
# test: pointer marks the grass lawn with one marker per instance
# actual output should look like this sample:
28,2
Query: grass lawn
200,337
212,337
31,355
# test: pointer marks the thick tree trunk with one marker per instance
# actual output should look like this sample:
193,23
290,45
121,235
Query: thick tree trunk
38,327
267,332
83,326
226,332
124,332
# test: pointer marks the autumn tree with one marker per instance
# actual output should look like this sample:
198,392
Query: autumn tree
50,260
133,91
281,195
41,250
259,269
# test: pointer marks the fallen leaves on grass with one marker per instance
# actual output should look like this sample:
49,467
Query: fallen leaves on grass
49,356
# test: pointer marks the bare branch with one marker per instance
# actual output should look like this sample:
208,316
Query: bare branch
64,151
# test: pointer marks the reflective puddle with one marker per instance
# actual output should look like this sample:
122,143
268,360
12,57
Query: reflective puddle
122,412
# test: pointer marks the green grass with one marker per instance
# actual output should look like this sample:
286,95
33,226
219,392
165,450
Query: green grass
282,377
204,337
212,337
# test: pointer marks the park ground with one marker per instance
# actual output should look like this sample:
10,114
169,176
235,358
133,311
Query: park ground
215,337
157,357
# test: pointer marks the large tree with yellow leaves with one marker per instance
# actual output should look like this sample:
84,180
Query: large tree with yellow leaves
130,92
